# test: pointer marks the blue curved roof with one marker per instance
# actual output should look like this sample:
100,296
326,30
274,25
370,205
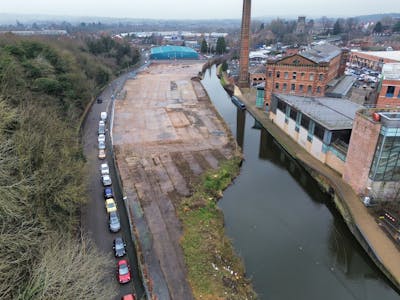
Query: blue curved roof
173,52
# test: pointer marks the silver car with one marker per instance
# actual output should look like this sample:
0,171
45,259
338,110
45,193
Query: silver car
106,180
113,222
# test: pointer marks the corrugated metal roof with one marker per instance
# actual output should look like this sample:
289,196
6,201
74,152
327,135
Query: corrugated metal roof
342,87
331,113
394,55
321,53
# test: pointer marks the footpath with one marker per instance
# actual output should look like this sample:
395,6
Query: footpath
362,224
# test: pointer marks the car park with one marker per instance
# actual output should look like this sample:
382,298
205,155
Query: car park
110,205
101,138
102,146
104,169
113,222
108,193
124,272
102,154
106,180
119,247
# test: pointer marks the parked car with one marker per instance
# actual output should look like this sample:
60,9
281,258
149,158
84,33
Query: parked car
119,247
128,297
124,272
101,138
110,205
99,100
102,154
106,180
104,169
113,222
102,123
108,193
102,145
103,116
102,129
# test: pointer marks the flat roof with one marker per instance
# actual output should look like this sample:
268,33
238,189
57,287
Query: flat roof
391,71
395,55
331,113
343,86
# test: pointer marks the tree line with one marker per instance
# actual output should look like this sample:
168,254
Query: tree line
44,88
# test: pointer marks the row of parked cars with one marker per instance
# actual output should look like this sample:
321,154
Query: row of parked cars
119,245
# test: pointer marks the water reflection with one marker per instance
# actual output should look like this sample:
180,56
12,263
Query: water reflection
240,121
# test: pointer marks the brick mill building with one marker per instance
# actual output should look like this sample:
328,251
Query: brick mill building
306,73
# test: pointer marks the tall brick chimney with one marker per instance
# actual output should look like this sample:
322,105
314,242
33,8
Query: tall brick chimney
244,45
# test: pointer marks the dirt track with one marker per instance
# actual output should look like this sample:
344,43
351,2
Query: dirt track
166,132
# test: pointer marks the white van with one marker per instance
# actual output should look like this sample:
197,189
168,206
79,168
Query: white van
103,116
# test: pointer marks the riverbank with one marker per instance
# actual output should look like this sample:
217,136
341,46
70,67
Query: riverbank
363,226
166,136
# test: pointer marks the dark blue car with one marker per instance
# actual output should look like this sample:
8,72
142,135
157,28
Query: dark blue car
108,193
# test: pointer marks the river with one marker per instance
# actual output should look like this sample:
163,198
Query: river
292,240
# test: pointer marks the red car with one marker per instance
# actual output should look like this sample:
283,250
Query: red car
124,272
128,297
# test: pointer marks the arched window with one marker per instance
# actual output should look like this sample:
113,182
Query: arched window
309,89
318,89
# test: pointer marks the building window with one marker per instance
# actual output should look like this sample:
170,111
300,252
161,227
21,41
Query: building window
293,87
286,75
277,85
309,89
318,89
278,74
284,87
302,75
282,106
386,163
294,75
321,77
311,76
305,121
269,73
293,114
390,91
319,131
301,88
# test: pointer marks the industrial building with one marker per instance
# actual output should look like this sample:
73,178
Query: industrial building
307,73
389,95
320,125
173,53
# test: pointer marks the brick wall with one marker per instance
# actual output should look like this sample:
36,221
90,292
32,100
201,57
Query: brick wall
361,151
384,101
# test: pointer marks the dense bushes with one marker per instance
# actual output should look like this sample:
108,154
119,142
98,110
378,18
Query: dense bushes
44,87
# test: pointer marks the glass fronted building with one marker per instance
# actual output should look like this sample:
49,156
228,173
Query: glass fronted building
386,161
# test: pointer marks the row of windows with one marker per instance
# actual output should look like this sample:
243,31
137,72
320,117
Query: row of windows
318,131
390,92
294,75
301,88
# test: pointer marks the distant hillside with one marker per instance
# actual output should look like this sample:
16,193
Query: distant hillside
378,17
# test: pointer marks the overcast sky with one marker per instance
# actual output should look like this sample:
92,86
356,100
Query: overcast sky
198,9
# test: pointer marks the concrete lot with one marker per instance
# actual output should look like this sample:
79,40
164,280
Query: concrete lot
165,132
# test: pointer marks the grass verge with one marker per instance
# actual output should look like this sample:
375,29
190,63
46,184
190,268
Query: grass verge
215,271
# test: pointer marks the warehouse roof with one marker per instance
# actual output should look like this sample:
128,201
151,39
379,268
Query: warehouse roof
331,113
321,53
173,52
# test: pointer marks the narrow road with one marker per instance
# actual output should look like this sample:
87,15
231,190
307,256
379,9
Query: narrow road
94,216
